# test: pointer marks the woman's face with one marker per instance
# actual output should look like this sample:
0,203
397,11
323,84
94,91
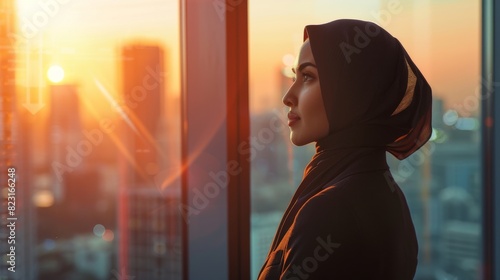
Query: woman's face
307,117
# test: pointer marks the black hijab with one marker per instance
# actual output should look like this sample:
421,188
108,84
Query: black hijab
375,98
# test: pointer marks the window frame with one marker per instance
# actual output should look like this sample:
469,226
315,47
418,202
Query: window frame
490,128
217,30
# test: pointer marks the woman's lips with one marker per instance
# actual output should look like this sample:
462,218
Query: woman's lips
292,118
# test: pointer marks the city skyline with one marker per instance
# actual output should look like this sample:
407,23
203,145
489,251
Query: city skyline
95,51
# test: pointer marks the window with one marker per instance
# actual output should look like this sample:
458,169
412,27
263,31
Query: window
441,181
96,134
95,104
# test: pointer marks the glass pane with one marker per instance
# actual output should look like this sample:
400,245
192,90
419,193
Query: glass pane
95,123
441,181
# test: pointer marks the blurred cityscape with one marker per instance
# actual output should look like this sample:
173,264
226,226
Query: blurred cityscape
95,199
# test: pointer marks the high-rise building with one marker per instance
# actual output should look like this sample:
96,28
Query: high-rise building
143,91
264,228
461,248
149,221
16,234
66,149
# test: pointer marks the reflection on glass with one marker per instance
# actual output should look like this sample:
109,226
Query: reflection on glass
441,181
90,121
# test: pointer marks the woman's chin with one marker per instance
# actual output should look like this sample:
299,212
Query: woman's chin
297,141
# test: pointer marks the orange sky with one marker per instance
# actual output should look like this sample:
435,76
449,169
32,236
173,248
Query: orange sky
84,37
443,42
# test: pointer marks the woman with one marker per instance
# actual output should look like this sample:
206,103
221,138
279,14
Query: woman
357,94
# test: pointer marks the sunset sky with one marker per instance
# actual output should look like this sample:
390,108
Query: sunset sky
84,37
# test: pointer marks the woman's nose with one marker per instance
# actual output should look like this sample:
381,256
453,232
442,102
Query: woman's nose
288,98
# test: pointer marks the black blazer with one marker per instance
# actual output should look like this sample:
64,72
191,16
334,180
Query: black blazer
357,228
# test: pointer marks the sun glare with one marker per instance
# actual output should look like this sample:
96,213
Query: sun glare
55,73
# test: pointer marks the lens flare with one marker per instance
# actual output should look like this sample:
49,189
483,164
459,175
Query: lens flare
55,73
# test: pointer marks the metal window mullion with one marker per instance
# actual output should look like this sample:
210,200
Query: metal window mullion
491,138
204,142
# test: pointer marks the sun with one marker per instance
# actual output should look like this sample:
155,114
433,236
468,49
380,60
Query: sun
55,73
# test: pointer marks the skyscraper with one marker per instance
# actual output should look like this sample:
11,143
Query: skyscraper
64,133
149,223
15,212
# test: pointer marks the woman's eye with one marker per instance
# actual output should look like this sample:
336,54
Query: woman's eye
306,76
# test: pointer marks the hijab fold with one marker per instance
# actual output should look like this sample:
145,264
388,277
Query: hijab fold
366,79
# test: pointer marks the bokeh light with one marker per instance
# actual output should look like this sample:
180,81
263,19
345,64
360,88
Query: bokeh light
288,60
450,117
99,230
467,124
108,235
43,198
55,73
